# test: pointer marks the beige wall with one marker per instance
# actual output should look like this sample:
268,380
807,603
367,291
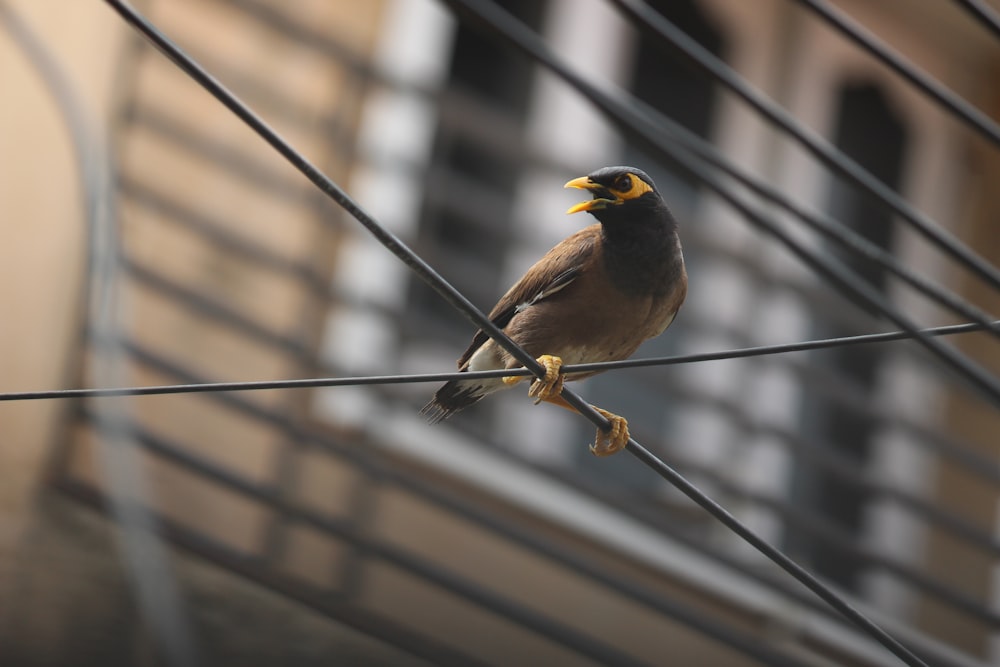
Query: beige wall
41,251
976,421
54,560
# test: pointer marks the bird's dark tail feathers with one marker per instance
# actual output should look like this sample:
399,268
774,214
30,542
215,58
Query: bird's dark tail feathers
452,397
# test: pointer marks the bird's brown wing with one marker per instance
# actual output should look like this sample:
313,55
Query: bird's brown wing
553,272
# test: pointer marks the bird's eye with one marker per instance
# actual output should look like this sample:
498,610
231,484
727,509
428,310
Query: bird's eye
624,184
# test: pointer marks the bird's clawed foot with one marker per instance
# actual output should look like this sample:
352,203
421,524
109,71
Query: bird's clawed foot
552,384
613,440
550,388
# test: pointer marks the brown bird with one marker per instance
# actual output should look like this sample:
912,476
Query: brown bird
594,297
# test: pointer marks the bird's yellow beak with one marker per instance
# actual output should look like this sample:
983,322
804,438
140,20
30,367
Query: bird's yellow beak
584,183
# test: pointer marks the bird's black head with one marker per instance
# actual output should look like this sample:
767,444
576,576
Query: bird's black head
622,195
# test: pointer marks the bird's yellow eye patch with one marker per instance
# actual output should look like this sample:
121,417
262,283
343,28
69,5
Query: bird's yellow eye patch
629,187
624,188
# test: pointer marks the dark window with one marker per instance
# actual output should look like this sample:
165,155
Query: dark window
464,222
470,184
870,132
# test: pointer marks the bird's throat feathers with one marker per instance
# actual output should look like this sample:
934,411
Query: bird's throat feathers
642,252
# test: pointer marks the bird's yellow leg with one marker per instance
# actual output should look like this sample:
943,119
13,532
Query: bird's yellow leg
552,384
607,442
614,439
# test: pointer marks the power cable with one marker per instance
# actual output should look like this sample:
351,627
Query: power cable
308,383
943,96
983,13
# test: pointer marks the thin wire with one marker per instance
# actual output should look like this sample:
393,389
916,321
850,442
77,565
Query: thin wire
670,35
146,562
416,378
781,348
933,89
983,13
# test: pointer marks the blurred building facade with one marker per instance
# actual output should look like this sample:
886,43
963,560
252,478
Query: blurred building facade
312,526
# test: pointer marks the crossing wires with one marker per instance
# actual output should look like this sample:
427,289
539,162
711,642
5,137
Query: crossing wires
495,19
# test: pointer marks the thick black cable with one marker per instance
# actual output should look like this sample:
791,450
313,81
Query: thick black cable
945,97
507,528
328,187
983,13
309,383
355,452
830,228
671,36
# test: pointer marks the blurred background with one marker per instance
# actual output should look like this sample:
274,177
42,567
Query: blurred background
333,526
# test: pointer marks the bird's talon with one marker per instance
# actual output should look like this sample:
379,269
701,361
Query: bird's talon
613,440
552,384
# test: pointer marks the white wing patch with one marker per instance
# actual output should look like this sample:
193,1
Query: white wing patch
558,284
667,322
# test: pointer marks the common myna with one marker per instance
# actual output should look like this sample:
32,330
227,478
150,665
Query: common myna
594,297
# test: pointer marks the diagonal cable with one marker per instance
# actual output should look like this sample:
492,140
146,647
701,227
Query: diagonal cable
416,378
671,36
941,94
982,13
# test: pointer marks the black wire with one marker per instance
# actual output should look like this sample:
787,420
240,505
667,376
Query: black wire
781,348
510,529
983,13
937,92
670,36
307,383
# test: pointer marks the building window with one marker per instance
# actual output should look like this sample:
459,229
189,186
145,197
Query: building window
871,133
471,179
